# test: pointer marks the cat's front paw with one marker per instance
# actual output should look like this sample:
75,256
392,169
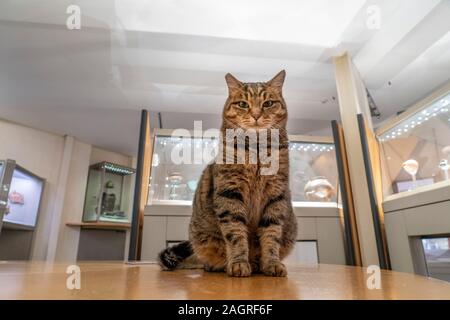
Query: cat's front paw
239,269
275,269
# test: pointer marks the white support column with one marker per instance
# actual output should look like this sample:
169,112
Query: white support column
352,101
59,199
72,211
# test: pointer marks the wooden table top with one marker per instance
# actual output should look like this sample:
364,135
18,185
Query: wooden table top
115,280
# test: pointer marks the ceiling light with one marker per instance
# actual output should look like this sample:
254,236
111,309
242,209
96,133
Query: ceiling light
316,23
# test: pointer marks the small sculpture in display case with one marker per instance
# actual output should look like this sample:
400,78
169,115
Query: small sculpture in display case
16,198
444,166
176,189
319,189
411,166
108,199
108,193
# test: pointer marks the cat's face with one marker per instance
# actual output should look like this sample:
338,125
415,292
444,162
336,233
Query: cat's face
257,105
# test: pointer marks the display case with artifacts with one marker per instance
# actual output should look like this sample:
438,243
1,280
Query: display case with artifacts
20,200
414,153
24,191
313,170
108,193
177,164
415,149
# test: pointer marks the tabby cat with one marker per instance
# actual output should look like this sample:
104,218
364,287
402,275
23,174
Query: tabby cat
242,221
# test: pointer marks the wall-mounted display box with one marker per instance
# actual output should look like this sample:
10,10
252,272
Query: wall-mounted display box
24,191
20,199
313,181
108,193
415,162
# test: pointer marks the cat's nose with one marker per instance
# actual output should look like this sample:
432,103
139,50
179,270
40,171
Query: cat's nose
256,115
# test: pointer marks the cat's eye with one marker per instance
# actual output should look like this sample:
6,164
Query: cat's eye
268,103
242,104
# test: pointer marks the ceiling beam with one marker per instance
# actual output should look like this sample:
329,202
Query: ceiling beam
430,30
399,32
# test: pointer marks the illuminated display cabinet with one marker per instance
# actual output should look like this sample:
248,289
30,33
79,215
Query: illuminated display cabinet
415,148
20,204
313,182
108,193
313,171
174,180
21,193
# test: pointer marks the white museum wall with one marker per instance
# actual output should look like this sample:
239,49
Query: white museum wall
63,162
99,155
41,153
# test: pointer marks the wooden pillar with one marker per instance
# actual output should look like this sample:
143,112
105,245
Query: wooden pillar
353,101
348,217
372,162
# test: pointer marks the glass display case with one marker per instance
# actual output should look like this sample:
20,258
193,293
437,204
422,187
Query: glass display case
178,161
437,256
108,195
415,147
177,164
313,168
24,191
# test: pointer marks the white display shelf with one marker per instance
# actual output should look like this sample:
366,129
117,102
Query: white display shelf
184,208
301,204
437,192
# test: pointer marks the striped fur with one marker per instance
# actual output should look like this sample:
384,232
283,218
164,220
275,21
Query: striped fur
171,257
242,221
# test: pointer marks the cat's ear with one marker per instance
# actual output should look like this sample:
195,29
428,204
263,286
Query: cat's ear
278,80
233,83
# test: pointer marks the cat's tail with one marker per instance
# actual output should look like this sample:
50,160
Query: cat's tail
180,255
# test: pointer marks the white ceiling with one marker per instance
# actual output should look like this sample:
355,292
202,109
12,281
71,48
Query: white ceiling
171,57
